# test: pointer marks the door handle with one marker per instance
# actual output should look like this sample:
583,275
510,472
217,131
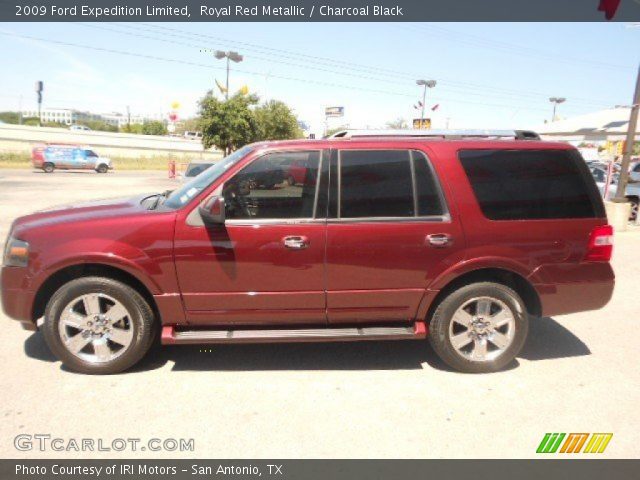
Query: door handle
439,239
295,242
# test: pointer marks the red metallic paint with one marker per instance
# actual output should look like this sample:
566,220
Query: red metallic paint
352,272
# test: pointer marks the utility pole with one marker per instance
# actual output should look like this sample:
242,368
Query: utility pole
631,136
39,89
128,119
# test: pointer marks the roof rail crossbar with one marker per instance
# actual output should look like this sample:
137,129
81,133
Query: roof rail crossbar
514,134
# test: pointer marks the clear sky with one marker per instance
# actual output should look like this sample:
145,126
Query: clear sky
489,75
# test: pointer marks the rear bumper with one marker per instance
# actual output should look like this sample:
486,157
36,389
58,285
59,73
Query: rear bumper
572,288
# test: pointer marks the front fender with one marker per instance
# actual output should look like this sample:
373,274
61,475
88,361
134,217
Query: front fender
132,260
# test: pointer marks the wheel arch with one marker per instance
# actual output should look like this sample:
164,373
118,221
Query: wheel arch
507,277
58,278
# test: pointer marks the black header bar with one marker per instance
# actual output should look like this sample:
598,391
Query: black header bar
319,10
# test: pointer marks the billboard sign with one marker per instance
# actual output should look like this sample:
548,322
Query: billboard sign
422,124
334,112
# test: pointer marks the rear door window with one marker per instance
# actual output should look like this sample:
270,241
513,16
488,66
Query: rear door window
386,184
531,184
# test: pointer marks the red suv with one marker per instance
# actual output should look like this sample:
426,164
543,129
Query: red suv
462,240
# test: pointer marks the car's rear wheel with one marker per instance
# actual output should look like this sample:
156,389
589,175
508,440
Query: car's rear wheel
48,167
102,168
98,325
479,328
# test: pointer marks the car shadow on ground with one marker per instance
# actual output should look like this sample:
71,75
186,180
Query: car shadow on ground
547,339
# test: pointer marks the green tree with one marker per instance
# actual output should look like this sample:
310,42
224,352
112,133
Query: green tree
276,121
132,128
188,125
398,124
10,117
98,125
154,127
228,124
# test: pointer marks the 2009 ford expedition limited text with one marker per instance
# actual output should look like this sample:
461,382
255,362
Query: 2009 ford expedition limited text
462,240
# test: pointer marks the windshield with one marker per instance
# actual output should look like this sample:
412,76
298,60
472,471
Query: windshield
184,194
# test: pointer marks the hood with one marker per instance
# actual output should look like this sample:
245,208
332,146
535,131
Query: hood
107,208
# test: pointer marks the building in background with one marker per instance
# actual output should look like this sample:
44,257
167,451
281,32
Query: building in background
69,116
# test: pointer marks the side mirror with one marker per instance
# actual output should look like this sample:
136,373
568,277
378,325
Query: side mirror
212,210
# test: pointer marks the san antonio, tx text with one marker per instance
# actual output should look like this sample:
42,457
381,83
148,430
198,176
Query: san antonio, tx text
153,10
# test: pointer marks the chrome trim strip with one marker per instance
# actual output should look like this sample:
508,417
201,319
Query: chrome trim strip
431,218
274,221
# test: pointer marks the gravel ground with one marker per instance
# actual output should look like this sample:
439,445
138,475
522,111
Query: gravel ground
577,373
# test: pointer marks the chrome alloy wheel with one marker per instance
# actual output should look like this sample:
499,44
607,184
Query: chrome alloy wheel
96,328
482,329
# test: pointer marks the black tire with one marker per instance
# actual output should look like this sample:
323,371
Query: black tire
48,167
634,208
439,328
139,312
102,168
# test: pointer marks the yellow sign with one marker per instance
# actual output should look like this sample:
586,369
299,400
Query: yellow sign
422,124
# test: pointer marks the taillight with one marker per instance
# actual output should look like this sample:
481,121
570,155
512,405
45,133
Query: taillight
600,244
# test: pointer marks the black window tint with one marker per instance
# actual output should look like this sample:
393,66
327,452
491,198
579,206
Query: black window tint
426,189
375,184
264,188
531,184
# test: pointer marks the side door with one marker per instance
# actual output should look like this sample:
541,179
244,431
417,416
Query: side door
265,265
389,233
90,159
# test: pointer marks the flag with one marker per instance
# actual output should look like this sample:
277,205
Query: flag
221,87
435,107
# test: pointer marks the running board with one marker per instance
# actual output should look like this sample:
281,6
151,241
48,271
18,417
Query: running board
172,336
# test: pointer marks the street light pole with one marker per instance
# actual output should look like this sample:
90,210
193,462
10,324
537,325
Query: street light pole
227,84
230,56
631,136
424,100
425,84
556,101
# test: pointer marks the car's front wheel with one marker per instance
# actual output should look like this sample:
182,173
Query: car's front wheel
98,325
102,168
479,328
48,167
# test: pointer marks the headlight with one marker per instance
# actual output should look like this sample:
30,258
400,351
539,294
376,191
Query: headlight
16,253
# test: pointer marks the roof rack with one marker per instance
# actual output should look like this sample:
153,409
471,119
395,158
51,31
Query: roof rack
449,134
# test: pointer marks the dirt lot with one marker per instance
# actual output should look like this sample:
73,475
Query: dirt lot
577,373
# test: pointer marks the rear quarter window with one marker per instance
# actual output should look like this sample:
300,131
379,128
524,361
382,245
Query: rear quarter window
531,184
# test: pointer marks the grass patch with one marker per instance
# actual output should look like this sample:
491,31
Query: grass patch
157,162
15,160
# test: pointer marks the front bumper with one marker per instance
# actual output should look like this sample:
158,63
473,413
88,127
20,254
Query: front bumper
17,301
